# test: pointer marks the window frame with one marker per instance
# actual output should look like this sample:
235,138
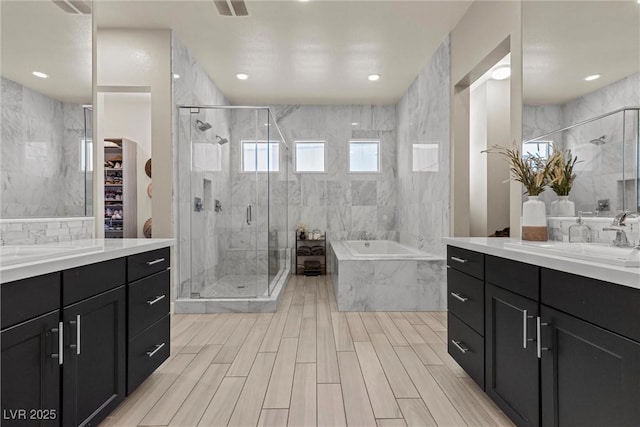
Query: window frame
364,141
310,141
258,141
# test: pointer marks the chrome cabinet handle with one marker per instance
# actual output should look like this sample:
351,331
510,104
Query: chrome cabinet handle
459,346
459,297
539,326
60,354
155,261
77,344
460,260
158,298
525,331
154,351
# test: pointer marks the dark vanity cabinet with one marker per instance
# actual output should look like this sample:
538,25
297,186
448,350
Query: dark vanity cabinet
31,343
94,315
559,349
67,338
511,363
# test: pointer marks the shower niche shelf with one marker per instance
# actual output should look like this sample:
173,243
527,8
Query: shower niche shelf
120,188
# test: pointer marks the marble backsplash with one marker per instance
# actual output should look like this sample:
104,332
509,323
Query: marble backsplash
32,231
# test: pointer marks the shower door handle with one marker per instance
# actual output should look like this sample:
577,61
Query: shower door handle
249,216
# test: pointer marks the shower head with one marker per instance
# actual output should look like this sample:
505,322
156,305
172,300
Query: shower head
598,141
221,140
202,126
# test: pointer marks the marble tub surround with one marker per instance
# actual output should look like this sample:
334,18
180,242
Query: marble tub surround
377,284
422,216
559,228
40,162
97,250
341,203
33,231
626,276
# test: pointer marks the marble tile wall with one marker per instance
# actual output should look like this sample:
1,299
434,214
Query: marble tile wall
45,230
203,237
40,166
341,203
422,216
600,169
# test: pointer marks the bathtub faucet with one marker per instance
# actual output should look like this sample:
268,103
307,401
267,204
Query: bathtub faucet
366,236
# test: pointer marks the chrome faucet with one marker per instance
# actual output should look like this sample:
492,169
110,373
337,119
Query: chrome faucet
366,236
621,240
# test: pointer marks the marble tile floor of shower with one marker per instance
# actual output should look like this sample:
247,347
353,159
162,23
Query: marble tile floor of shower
306,365
236,286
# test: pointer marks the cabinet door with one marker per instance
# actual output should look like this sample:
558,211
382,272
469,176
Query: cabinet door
511,362
94,366
590,376
31,372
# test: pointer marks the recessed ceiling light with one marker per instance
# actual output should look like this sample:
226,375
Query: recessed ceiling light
176,76
592,77
242,76
39,74
374,77
355,124
501,73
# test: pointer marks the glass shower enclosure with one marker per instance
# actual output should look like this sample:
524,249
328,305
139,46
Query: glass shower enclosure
232,202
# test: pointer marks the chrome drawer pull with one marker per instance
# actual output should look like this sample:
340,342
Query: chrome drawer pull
77,344
539,325
60,354
459,297
459,346
155,261
157,349
158,298
460,260
525,333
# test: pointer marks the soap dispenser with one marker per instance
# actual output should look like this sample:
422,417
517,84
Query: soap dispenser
580,232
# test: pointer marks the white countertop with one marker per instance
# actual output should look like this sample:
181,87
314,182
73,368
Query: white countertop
96,250
627,276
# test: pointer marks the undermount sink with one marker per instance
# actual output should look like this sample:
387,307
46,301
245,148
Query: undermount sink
606,254
10,255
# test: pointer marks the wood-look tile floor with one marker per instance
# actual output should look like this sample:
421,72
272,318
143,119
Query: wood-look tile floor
309,365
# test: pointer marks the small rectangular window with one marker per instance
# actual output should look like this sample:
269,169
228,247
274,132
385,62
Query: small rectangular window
364,156
310,156
86,155
425,158
261,156
537,148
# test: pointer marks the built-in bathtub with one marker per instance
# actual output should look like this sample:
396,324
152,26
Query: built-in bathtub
383,275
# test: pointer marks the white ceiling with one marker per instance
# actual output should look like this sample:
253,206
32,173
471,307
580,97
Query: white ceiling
565,41
39,36
315,52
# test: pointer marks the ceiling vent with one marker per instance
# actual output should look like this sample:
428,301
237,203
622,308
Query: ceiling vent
231,7
74,7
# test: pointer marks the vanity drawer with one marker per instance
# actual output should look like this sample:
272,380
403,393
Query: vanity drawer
467,348
147,351
465,299
466,261
148,301
515,276
608,305
147,263
28,298
84,282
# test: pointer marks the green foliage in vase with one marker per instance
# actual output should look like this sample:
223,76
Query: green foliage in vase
561,175
531,171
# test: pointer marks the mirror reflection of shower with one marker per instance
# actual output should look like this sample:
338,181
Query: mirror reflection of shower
203,126
221,140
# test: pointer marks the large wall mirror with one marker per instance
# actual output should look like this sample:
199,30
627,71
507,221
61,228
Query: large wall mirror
581,92
46,140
